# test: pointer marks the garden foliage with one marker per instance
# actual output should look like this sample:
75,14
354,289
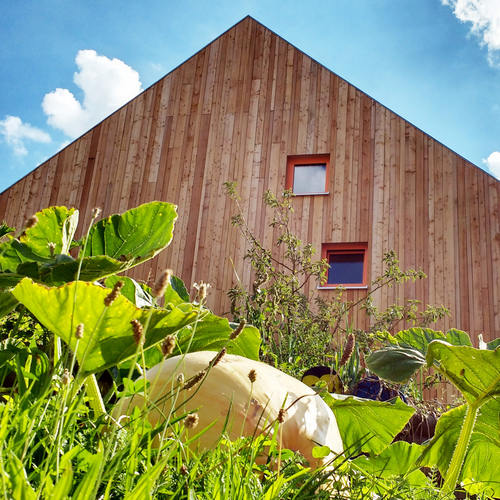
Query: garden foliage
74,336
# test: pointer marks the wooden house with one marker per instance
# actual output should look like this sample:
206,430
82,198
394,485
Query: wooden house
254,109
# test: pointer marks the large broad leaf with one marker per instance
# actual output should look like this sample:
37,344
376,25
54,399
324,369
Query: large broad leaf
398,459
64,269
108,337
418,338
396,364
479,469
212,334
458,337
135,236
368,425
56,225
475,373
467,439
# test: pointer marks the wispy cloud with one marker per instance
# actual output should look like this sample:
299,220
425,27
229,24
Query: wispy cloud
493,163
106,83
16,132
485,18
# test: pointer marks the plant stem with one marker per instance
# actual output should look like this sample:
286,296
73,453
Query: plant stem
94,394
458,457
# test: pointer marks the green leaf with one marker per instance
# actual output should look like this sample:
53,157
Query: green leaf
5,229
55,225
483,450
398,459
475,373
137,235
418,338
146,482
87,485
63,271
212,334
467,438
108,336
178,286
132,290
491,346
396,364
458,337
370,425
10,258
321,451
63,486
20,486
7,303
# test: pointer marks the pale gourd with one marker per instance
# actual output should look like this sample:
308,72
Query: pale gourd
227,394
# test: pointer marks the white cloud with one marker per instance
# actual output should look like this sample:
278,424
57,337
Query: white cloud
106,83
485,18
493,163
16,132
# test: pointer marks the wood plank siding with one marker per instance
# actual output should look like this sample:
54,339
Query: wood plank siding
234,112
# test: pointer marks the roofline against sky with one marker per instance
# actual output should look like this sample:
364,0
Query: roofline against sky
286,41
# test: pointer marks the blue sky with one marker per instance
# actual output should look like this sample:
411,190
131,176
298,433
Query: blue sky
65,65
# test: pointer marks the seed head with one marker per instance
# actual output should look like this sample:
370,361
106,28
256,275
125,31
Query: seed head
252,375
195,380
180,379
52,248
191,421
65,377
202,291
219,356
113,294
281,415
168,345
95,212
138,331
348,349
238,330
31,222
160,285
79,331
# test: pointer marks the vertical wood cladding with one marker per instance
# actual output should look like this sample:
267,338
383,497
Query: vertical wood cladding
234,111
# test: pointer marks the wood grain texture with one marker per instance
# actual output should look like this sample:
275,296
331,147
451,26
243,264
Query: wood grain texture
235,111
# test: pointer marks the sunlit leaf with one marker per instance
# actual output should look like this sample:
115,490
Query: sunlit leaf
369,425
396,364
135,236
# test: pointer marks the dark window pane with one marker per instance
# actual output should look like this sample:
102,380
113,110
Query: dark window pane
345,268
309,178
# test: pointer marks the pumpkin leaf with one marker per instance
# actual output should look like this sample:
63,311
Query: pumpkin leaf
418,338
135,236
57,226
396,364
108,337
367,425
212,334
398,459
467,438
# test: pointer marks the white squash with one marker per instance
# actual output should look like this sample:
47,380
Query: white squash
227,388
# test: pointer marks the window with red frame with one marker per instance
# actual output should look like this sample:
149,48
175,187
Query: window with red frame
347,264
308,174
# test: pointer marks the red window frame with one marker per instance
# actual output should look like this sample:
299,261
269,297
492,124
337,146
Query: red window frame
298,160
345,249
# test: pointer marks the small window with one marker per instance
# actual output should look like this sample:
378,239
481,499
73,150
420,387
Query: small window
347,264
308,174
